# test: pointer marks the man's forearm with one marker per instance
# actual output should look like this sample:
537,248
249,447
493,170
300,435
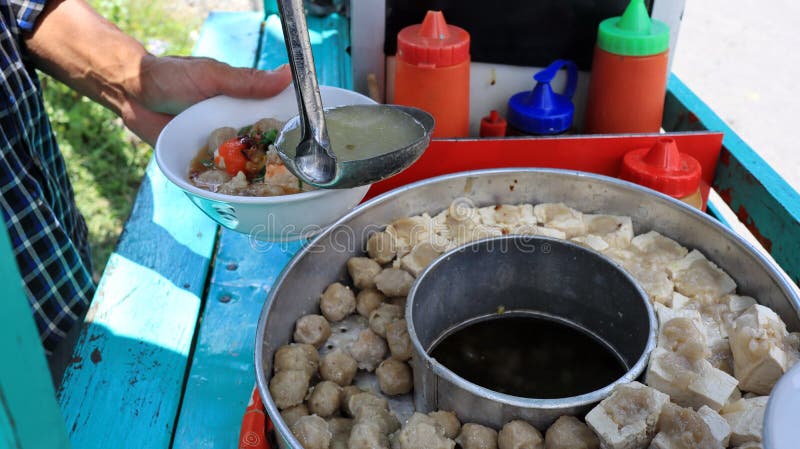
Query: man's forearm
77,46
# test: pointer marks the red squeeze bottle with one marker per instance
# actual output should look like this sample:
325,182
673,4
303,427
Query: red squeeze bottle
664,168
629,74
432,73
493,125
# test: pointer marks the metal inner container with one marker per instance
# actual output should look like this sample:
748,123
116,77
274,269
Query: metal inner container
517,275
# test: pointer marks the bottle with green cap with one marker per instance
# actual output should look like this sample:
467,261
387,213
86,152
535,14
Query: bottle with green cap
629,73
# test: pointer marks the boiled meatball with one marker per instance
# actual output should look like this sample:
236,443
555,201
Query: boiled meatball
267,124
288,388
368,350
394,377
337,302
421,432
368,300
381,247
382,316
367,435
325,399
447,422
340,428
347,393
359,402
312,329
519,434
399,301
394,282
399,341
297,356
218,137
312,432
568,432
292,414
381,417
476,436
338,366
363,271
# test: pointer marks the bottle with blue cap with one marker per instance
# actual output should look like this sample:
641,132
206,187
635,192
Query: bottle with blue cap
542,111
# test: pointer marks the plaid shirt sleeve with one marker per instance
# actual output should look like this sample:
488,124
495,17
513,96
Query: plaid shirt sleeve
48,233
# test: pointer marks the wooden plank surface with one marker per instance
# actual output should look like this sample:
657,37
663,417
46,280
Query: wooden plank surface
222,374
27,398
232,37
761,199
124,383
330,37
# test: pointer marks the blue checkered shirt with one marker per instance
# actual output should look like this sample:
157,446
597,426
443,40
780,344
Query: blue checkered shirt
47,231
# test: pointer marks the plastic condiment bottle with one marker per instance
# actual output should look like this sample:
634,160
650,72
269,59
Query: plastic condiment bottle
493,125
629,73
432,73
542,111
662,167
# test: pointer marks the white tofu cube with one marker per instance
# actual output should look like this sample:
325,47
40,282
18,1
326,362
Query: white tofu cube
657,249
699,278
654,281
419,258
562,217
761,349
684,428
592,242
627,418
717,425
679,301
712,387
746,418
615,230
690,383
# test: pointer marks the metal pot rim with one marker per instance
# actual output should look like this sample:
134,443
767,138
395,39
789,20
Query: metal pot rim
261,378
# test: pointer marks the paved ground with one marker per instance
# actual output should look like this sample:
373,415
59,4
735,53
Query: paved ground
741,58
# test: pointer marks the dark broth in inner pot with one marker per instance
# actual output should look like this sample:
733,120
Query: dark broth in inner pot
529,356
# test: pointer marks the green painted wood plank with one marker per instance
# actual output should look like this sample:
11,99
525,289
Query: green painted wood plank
330,43
29,415
125,380
761,199
232,37
222,374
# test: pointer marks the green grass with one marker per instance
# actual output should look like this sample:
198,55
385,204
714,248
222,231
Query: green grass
106,162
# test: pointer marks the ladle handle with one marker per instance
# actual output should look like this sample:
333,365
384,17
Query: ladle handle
301,61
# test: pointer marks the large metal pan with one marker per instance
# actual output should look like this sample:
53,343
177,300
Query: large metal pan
323,261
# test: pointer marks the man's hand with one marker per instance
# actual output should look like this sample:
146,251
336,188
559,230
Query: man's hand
79,47
168,85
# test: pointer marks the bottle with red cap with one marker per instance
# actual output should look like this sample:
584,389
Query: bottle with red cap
432,73
662,167
493,125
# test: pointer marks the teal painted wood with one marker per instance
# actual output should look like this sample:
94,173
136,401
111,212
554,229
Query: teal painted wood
330,36
232,37
222,374
761,199
123,386
29,415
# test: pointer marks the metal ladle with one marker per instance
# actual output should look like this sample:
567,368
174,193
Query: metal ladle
314,161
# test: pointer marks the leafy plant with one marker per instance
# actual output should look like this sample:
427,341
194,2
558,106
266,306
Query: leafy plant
106,162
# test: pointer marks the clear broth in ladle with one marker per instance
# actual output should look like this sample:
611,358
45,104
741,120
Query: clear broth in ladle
358,133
